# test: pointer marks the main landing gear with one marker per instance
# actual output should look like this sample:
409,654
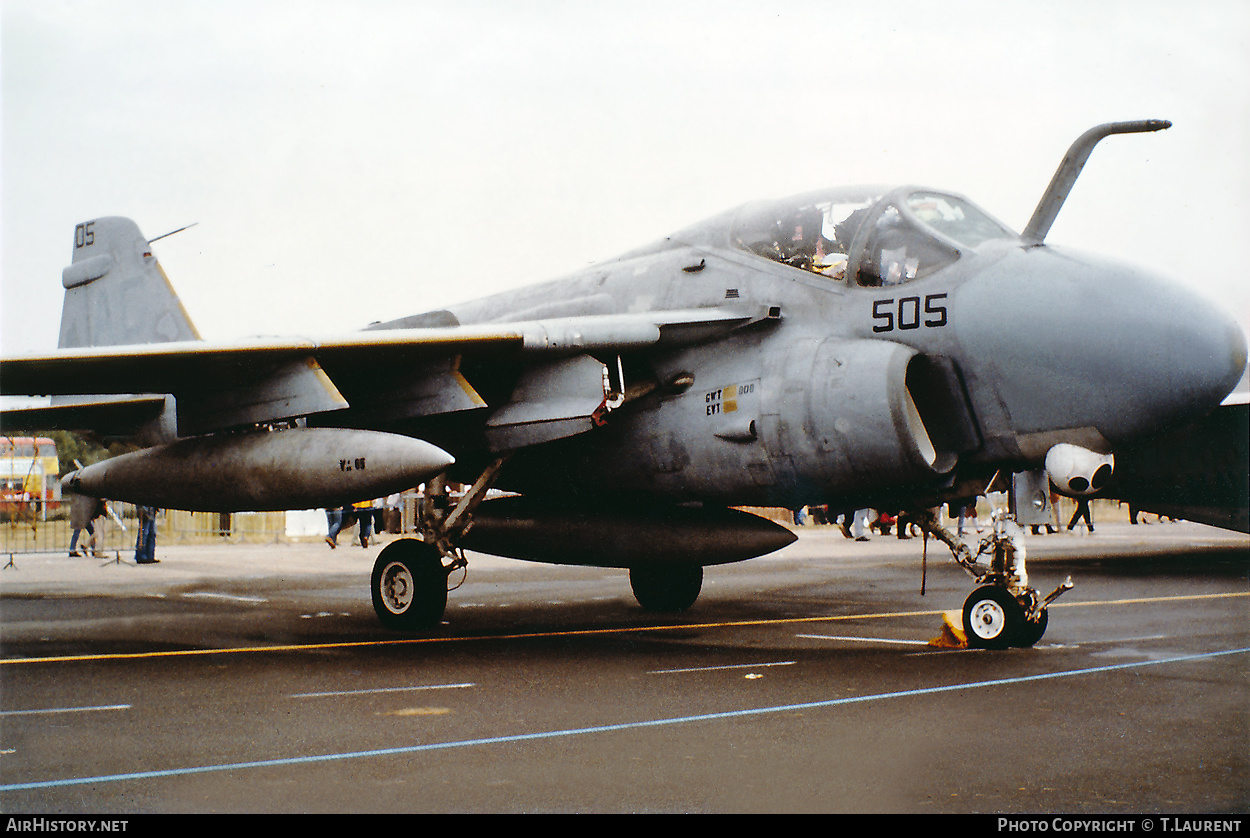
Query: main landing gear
410,577
1004,611
409,585
666,587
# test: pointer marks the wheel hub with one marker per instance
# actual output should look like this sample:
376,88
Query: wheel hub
397,587
988,619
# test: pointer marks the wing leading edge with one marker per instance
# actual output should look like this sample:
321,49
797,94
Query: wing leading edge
223,385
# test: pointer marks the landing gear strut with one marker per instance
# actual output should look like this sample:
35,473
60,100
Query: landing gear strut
409,583
1004,611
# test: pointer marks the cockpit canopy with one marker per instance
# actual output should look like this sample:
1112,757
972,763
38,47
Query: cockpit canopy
873,237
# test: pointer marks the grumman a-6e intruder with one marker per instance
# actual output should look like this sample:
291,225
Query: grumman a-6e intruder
894,348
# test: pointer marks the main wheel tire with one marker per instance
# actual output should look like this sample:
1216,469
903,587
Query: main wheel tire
992,618
666,587
409,586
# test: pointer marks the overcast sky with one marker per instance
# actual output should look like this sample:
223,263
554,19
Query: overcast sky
354,161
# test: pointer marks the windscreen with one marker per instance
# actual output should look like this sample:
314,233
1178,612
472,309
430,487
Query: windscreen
900,245
891,241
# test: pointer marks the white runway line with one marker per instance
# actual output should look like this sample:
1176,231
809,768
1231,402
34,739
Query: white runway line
64,710
715,668
385,690
862,639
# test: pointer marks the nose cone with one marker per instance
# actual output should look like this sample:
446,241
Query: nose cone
1071,342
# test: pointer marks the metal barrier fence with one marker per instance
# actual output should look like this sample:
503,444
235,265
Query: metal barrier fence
30,528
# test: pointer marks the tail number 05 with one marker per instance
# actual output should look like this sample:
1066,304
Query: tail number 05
84,234
909,313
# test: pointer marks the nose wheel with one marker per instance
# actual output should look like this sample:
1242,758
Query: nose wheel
994,619
991,617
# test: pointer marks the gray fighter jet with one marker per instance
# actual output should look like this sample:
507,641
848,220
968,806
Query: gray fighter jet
887,347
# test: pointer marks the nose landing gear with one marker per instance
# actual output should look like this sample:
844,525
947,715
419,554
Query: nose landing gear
1005,611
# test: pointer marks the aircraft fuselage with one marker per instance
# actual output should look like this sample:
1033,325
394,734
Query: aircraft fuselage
863,390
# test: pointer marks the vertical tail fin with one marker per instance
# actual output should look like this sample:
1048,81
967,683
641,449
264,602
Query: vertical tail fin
116,291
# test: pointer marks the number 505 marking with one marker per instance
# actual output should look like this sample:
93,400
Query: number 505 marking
909,313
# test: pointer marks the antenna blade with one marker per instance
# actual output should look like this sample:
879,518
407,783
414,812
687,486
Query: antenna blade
171,232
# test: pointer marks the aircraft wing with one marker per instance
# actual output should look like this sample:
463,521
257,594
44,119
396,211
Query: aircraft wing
223,385
187,365
118,416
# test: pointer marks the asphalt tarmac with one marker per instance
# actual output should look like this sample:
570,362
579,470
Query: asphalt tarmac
255,678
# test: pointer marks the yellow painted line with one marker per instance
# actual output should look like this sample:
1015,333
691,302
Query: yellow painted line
408,641
418,711
1149,599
